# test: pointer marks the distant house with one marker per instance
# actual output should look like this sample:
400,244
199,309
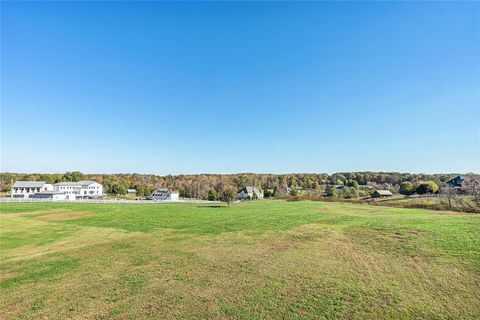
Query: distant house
381,193
25,189
164,194
131,191
459,182
85,189
250,193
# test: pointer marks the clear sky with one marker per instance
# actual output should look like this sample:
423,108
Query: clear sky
172,88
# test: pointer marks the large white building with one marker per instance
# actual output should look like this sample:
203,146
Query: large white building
164,194
25,189
85,189
57,191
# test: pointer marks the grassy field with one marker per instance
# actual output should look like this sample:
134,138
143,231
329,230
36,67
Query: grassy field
255,260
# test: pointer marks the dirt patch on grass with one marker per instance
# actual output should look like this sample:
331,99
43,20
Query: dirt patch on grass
65,215
30,213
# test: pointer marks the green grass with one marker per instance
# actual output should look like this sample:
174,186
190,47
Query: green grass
255,260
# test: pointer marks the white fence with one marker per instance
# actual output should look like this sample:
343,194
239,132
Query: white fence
23,200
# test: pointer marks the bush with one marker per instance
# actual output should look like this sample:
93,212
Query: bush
228,194
426,187
330,191
267,194
350,193
117,188
212,195
353,184
407,188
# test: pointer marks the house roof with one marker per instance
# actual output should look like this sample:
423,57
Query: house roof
164,190
457,178
384,192
251,190
78,183
29,184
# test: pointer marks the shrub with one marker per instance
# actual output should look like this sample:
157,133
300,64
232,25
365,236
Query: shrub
212,195
118,189
350,193
330,191
426,187
407,188
228,194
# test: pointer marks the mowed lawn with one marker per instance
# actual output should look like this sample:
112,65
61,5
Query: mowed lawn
254,260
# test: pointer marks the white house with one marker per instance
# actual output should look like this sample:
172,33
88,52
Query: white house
164,194
25,189
80,190
250,193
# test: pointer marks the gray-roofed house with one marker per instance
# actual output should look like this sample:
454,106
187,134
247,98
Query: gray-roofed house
164,194
25,189
459,182
381,193
248,193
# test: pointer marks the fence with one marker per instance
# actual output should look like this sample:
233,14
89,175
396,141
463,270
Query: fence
27,200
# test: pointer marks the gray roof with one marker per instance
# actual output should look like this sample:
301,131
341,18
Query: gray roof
251,190
29,184
384,192
78,183
164,190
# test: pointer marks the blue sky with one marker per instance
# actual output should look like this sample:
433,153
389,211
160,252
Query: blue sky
173,88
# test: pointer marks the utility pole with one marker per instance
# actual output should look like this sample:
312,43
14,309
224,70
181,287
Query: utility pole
11,188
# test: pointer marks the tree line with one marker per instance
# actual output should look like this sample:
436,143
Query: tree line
212,186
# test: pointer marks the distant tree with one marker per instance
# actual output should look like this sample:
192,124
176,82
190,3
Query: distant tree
473,187
73,176
228,194
337,179
353,184
280,191
350,193
330,191
118,188
212,195
293,192
449,194
407,188
142,190
426,187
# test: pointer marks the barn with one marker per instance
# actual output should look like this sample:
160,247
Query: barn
381,193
